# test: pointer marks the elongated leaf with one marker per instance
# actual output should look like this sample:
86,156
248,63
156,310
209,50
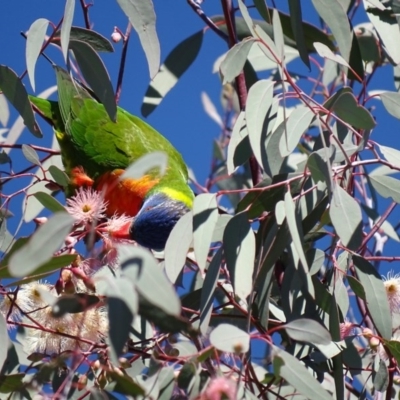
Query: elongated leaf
387,27
41,246
176,63
294,228
49,202
391,101
348,110
392,155
95,75
4,339
177,246
66,26
299,120
239,132
346,217
308,330
120,315
143,19
239,249
235,59
46,269
16,94
326,52
336,18
4,110
205,216
208,289
386,186
30,154
278,34
375,293
229,338
59,176
89,36
157,159
259,114
139,265
295,373
296,21
34,42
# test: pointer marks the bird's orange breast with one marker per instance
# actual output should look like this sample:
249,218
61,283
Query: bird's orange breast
124,196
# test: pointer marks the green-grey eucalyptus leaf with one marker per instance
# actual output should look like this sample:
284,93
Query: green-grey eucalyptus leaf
49,202
175,65
347,109
336,18
156,159
308,330
380,375
16,94
95,74
59,176
235,59
298,122
143,19
43,243
178,245
208,289
391,101
205,216
326,52
120,317
4,339
30,154
229,338
296,374
387,28
66,26
259,115
392,155
386,186
239,132
296,21
140,266
315,258
278,34
239,249
295,229
346,217
4,110
89,36
375,293
34,42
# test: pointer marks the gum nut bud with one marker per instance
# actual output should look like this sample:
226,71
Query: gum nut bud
124,362
396,380
96,365
374,342
82,382
367,333
66,275
116,37
40,220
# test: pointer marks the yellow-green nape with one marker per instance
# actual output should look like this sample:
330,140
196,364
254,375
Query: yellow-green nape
178,196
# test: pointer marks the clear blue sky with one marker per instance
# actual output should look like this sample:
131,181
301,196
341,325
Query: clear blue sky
180,117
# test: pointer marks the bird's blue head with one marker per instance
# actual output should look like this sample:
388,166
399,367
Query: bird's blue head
154,222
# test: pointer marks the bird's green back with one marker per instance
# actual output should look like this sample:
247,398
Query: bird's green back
88,137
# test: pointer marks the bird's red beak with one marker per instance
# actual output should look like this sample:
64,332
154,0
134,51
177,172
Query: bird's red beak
123,232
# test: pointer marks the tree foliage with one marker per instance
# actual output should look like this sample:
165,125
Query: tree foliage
282,249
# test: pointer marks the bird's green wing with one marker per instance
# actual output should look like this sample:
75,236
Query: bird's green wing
101,144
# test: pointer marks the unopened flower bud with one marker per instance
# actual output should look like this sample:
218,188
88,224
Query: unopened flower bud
374,342
116,37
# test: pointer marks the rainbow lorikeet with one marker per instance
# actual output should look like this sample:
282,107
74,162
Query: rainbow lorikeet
96,151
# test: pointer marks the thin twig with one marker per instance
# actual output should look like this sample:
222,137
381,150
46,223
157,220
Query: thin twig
122,64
